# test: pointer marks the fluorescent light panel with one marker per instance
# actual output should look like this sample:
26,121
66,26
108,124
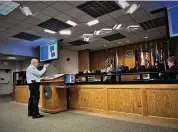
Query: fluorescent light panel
123,3
71,23
91,23
49,31
133,26
87,35
133,8
117,26
65,32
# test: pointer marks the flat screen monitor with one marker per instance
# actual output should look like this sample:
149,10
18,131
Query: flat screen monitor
69,78
173,21
49,51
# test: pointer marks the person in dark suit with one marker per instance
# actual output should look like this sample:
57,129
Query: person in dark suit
173,68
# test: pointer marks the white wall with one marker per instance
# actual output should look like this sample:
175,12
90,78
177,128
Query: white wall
13,66
62,65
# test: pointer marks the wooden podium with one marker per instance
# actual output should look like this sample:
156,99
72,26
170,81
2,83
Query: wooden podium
57,100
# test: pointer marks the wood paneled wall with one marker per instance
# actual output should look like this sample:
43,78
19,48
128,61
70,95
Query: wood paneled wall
97,58
83,60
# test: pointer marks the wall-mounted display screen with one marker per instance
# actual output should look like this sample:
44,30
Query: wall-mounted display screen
173,21
49,51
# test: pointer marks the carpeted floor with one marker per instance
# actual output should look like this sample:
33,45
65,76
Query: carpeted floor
13,118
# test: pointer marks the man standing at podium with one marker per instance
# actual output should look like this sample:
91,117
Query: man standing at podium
33,80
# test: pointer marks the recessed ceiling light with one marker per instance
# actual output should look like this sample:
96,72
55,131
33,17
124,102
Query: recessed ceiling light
123,3
86,39
117,26
87,35
145,37
71,23
11,58
106,29
133,8
65,32
97,32
49,31
91,23
133,26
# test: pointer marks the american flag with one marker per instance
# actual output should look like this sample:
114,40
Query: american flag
157,54
147,59
142,57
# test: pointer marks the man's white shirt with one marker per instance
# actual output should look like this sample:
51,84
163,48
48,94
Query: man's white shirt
33,73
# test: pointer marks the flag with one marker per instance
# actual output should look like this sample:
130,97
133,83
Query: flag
137,60
156,54
161,55
152,57
142,57
147,59
117,62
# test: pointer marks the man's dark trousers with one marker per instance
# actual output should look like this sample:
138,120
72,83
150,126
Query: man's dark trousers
34,99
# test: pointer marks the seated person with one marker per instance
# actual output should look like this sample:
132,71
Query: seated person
109,72
87,71
172,64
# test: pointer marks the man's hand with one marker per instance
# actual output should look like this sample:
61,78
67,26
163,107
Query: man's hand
46,65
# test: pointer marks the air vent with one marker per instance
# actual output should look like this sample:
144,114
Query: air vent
54,25
154,23
98,8
114,37
78,43
26,36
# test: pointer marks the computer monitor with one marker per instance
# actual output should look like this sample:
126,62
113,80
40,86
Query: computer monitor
69,78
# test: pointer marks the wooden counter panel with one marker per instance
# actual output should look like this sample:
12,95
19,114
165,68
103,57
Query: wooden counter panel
124,100
91,98
150,101
57,102
163,103
22,94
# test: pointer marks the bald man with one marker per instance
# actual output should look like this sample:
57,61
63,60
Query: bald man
33,80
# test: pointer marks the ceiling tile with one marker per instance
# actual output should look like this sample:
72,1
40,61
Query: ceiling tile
18,28
141,19
75,3
17,15
63,17
118,13
123,19
75,12
51,11
111,23
11,20
6,25
35,6
104,18
99,26
49,2
25,25
32,21
2,29
42,17
85,18
138,14
62,6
